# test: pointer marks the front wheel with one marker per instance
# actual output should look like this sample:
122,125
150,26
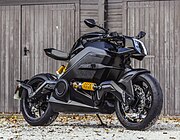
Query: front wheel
37,111
146,108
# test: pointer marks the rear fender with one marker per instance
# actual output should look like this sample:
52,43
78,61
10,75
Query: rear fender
45,76
28,88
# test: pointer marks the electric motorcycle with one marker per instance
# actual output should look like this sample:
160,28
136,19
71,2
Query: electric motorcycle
98,78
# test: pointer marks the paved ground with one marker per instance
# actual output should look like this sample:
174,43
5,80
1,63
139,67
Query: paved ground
86,128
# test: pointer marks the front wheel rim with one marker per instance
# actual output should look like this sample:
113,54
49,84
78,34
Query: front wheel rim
137,112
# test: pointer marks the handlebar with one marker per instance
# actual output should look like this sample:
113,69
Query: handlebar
95,38
112,35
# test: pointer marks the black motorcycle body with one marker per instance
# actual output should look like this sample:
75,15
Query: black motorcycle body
97,79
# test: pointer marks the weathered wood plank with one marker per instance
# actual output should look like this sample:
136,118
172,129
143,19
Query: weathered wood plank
24,59
27,41
17,60
136,30
156,42
151,36
3,56
41,40
114,25
116,19
142,28
89,7
88,2
7,50
50,35
146,38
131,21
1,62
45,37
101,13
177,56
166,46
89,13
32,38
11,59
171,57
117,5
162,52
76,21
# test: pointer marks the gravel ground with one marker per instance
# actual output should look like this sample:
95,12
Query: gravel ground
83,127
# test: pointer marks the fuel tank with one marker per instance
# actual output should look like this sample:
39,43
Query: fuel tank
85,65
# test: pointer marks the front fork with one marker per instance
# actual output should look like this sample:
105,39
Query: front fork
127,82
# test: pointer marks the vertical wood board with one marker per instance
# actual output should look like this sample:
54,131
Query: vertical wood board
10,56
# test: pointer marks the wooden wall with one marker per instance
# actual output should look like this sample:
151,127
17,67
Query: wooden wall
159,19
35,27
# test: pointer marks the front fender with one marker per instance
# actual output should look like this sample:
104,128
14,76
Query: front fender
127,78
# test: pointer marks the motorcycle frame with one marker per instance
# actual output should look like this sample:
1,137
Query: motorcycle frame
83,104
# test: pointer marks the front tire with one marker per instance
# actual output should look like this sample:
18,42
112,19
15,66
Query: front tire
37,112
147,106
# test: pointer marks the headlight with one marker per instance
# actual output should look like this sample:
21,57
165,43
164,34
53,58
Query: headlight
139,46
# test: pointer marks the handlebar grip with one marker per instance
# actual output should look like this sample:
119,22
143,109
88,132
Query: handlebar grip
114,34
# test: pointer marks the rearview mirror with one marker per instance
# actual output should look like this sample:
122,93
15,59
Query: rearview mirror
141,35
90,23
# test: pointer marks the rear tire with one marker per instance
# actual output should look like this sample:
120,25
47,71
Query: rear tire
44,114
151,114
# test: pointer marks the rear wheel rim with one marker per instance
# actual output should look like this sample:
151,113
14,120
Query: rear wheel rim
35,108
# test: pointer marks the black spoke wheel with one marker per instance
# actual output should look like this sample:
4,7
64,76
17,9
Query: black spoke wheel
37,111
144,111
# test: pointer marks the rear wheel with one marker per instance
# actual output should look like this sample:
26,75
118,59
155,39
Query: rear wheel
146,108
37,111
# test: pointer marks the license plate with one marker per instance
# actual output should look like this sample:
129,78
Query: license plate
16,94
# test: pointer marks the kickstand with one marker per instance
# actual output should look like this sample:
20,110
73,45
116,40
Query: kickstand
102,124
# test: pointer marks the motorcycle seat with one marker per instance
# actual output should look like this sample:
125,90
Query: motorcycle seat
56,54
